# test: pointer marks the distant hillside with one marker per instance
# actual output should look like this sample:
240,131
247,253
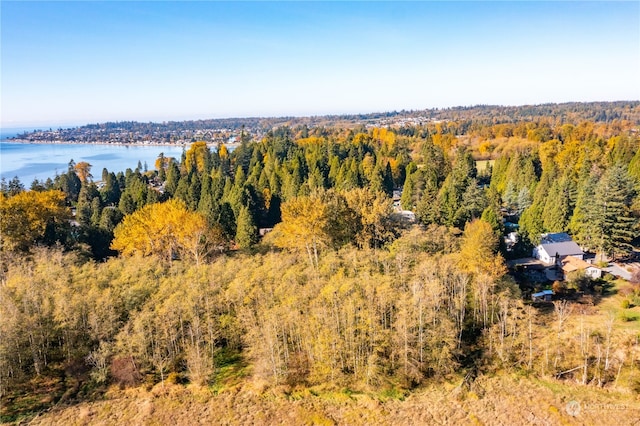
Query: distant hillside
225,129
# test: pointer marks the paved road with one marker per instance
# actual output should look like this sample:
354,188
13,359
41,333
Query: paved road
618,271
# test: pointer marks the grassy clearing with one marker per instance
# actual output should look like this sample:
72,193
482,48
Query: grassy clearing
621,305
231,370
23,402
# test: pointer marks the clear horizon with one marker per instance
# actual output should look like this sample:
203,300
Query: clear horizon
66,64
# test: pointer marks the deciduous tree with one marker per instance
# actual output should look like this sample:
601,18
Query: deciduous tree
26,217
165,229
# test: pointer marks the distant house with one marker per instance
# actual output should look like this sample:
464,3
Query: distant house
264,231
555,247
407,215
511,237
572,264
543,296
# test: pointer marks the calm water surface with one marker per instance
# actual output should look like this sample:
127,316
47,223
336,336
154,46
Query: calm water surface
41,161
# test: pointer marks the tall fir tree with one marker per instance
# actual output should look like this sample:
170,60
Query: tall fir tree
614,224
407,200
583,218
246,233
557,210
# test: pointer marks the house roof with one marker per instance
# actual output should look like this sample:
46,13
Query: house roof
558,237
565,248
570,264
543,293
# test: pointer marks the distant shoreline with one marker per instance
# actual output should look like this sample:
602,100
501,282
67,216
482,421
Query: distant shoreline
61,142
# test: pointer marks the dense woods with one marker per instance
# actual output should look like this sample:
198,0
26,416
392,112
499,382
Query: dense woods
288,254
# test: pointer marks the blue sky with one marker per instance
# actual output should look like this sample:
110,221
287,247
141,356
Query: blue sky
70,63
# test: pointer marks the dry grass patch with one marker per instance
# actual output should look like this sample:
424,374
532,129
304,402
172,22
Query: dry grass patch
500,399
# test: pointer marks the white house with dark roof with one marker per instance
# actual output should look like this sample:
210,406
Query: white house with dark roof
555,247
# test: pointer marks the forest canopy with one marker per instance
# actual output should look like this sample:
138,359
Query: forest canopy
367,257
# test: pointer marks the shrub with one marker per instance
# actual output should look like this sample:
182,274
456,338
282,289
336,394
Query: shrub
124,371
627,317
175,378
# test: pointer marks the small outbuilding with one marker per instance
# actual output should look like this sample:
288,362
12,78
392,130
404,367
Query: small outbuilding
543,296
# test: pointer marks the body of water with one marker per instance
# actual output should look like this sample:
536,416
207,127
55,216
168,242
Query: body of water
31,161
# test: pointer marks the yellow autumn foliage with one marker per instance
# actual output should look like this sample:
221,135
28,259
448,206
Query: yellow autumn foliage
166,229
25,216
197,157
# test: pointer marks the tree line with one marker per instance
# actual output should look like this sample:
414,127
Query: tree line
431,305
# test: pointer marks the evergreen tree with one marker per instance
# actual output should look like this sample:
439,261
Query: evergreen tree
634,166
428,209
406,201
227,220
96,211
436,166
84,210
69,183
110,192
531,224
510,196
217,185
521,172
557,210
110,218
614,224
239,177
499,174
173,178
334,170
454,186
377,183
193,193
275,184
246,233
473,204
182,190
351,178
126,204
152,196
532,218
388,180
316,179
449,199
37,185
524,199
492,217
582,220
